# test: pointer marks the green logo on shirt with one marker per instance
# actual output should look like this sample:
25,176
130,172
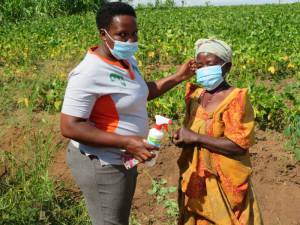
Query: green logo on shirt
114,77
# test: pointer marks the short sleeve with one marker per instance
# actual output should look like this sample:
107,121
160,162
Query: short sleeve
80,96
239,120
192,93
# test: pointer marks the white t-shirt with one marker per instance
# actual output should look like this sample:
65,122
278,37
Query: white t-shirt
111,97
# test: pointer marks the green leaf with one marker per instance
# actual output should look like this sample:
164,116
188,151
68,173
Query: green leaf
297,154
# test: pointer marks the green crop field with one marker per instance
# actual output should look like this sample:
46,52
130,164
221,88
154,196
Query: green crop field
36,56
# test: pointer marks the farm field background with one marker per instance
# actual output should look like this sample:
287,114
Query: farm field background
36,56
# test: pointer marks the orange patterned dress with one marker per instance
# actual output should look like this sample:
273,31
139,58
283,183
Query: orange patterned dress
216,189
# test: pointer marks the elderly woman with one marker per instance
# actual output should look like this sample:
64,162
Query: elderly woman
215,167
104,114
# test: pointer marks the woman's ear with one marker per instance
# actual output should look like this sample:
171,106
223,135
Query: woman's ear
226,68
102,35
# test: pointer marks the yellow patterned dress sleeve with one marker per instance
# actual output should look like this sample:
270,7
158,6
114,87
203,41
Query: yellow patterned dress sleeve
239,122
190,89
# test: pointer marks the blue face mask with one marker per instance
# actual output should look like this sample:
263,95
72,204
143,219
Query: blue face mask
210,77
122,50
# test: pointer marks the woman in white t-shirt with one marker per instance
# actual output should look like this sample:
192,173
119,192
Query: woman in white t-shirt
104,114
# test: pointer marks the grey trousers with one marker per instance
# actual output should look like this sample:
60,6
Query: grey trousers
107,190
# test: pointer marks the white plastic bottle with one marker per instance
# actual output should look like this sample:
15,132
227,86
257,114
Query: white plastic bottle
156,135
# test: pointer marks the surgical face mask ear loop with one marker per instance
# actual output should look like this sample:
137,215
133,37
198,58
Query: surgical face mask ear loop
222,68
107,45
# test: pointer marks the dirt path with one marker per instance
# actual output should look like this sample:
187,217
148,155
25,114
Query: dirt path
276,179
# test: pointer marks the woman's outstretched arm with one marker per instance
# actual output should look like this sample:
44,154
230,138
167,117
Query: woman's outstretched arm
159,87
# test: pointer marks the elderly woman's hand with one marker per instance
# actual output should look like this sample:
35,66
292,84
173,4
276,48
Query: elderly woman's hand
187,70
185,136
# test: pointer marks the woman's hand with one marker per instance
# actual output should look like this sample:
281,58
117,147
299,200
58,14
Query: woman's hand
187,70
158,88
185,136
139,148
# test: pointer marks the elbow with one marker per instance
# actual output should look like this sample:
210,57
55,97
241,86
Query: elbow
65,131
70,127
240,151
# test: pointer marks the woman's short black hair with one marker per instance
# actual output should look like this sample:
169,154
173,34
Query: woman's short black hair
108,11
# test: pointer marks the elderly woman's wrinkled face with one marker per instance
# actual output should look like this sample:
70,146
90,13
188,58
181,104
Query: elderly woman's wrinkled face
208,59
